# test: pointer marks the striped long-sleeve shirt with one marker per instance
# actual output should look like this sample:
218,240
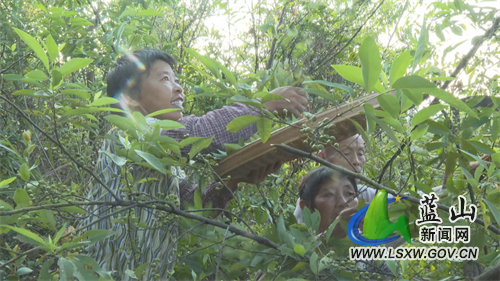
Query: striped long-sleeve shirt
150,237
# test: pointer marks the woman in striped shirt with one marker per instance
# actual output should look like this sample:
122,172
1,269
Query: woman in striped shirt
146,82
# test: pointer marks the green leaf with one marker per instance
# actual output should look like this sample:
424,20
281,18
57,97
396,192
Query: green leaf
104,101
330,229
149,13
121,122
90,261
139,271
285,237
299,249
266,96
439,32
152,160
423,187
120,161
413,81
130,273
482,147
44,271
426,113
189,140
7,219
355,75
74,65
207,62
199,146
80,93
229,75
56,78
370,123
422,42
21,198
79,22
23,271
241,122
264,127
494,210
35,46
495,129
419,132
390,104
370,63
95,235
392,266
384,126
59,234
399,66
311,220
47,219
24,92
139,120
452,100
330,84
37,75
7,181
34,238
66,269
415,95
322,92
169,124
437,128
363,134
162,111
12,76
314,263
51,48
24,172
82,273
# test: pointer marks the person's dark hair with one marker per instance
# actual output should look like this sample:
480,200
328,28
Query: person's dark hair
125,78
312,182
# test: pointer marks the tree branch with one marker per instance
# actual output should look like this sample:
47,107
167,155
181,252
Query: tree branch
273,46
368,180
465,60
62,148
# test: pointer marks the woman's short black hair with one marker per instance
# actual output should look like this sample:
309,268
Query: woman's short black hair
125,78
312,182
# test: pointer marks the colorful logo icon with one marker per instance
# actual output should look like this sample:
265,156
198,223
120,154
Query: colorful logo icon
377,227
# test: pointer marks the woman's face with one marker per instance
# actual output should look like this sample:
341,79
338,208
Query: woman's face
334,196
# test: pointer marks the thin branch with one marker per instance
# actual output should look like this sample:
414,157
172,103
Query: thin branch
368,180
273,45
147,204
465,60
327,60
221,251
222,182
62,148
389,163
237,231
67,234
224,211
12,64
203,248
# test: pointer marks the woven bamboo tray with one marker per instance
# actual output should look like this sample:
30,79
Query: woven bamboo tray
257,154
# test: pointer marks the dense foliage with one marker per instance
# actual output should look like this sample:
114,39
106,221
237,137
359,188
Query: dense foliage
54,115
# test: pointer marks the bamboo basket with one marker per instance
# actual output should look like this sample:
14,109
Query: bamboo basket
257,154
